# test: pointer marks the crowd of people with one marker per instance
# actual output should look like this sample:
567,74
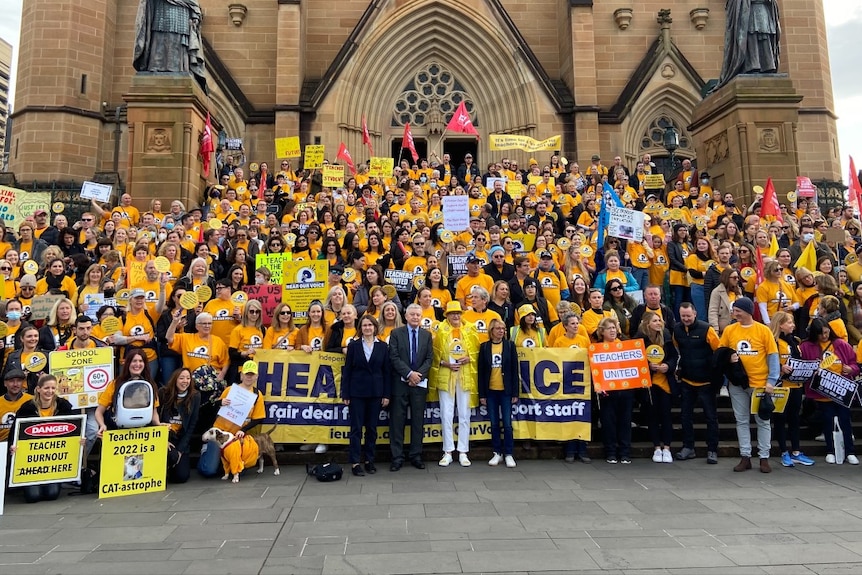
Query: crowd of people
711,284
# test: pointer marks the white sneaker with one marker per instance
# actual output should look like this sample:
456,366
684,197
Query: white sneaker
445,460
464,460
306,447
666,456
852,460
820,437
656,456
830,458
724,392
321,448
510,461
495,461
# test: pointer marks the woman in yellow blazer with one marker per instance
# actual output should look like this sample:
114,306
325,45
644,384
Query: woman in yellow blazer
454,376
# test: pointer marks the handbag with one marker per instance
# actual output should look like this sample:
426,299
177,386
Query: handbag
325,472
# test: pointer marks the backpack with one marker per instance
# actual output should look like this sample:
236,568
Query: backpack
133,404
325,472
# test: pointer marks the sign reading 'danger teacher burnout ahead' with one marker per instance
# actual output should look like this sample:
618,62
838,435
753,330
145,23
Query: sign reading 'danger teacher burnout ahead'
47,450
301,391
134,461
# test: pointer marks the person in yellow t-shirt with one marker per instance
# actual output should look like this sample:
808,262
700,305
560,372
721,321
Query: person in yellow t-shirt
226,314
499,388
479,314
248,382
12,400
199,348
247,337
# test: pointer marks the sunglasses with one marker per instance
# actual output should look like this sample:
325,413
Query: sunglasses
617,288
285,312
255,311
5,269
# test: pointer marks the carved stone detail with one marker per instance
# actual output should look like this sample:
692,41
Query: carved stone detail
717,149
769,140
158,140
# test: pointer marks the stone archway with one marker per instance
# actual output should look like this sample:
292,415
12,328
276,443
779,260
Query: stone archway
668,105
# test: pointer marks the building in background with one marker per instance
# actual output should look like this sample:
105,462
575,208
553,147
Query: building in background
5,78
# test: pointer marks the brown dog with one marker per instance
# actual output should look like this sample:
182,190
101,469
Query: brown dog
238,454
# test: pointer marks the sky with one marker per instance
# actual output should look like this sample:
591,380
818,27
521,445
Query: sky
843,28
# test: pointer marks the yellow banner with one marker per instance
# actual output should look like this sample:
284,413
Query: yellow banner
287,147
381,167
523,241
134,461
525,143
654,182
302,395
313,157
82,374
333,176
304,281
47,450
17,205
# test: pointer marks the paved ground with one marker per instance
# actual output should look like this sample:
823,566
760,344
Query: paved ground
544,516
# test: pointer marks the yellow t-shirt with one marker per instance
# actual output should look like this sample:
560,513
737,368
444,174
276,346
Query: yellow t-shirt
140,324
246,339
258,411
223,320
8,409
753,343
197,351
496,381
482,321
277,338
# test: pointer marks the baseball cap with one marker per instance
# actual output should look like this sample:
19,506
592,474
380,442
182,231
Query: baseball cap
546,254
249,367
336,269
596,157
137,292
40,213
472,259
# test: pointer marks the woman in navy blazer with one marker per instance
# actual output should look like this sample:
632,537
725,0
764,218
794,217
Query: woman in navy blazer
499,402
365,387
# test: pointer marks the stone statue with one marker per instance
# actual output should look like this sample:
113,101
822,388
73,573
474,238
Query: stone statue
168,38
751,39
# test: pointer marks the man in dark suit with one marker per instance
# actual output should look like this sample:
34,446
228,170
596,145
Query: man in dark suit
411,351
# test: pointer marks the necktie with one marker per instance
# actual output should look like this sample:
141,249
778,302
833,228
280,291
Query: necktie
413,349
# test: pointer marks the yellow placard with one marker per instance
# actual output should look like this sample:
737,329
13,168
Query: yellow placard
333,176
534,179
525,143
654,182
4,329
381,167
47,450
780,395
313,157
136,273
214,224
163,264
133,461
288,147
204,293
189,300
82,374
515,189
111,324
17,205
274,262
304,282
239,298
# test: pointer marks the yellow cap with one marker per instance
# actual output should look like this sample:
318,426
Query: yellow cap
249,367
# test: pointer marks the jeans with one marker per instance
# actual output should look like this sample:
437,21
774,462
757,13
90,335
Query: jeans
447,413
91,429
364,413
500,407
741,401
45,492
690,395
617,423
178,470
168,364
831,410
680,294
787,423
641,275
699,300
660,423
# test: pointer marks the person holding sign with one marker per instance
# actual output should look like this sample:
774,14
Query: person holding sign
30,358
45,403
365,388
837,356
453,374
662,357
616,411
783,327
135,367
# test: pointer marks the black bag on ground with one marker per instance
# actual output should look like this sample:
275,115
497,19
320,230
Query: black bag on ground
325,472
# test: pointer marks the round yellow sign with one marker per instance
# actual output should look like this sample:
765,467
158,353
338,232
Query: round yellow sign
586,250
748,273
349,275
850,259
110,325
418,281
239,298
655,354
214,224
290,239
390,291
757,189
189,300
676,214
123,297
163,264
31,267
58,207
564,243
664,214
36,361
791,196
446,236
204,293
253,166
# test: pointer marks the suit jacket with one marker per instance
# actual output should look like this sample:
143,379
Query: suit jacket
399,352
361,377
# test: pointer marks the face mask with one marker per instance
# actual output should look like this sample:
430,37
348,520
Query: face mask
169,225
433,185
807,237
109,292
259,280
13,315
704,181
162,237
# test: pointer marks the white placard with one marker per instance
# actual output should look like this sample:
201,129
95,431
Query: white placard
456,213
241,404
3,448
626,224
94,191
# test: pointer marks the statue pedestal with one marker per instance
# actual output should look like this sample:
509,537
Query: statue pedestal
166,117
745,132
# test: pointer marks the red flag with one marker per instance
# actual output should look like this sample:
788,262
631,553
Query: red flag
407,142
461,121
366,137
758,267
854,189
344,154
207,148
769,204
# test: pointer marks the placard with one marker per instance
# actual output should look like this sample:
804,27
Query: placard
41,305
619,365
804,187
241,403
489,184
304,282
803,369
134,461
525,143
18,205
457,266
381,167
269,296
515,189
313,157
98,192
834,386
47,450
654,182
401,279
93,301
626,224
82,374
4,447
780,396
456,213
333,176
274,263
287,147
